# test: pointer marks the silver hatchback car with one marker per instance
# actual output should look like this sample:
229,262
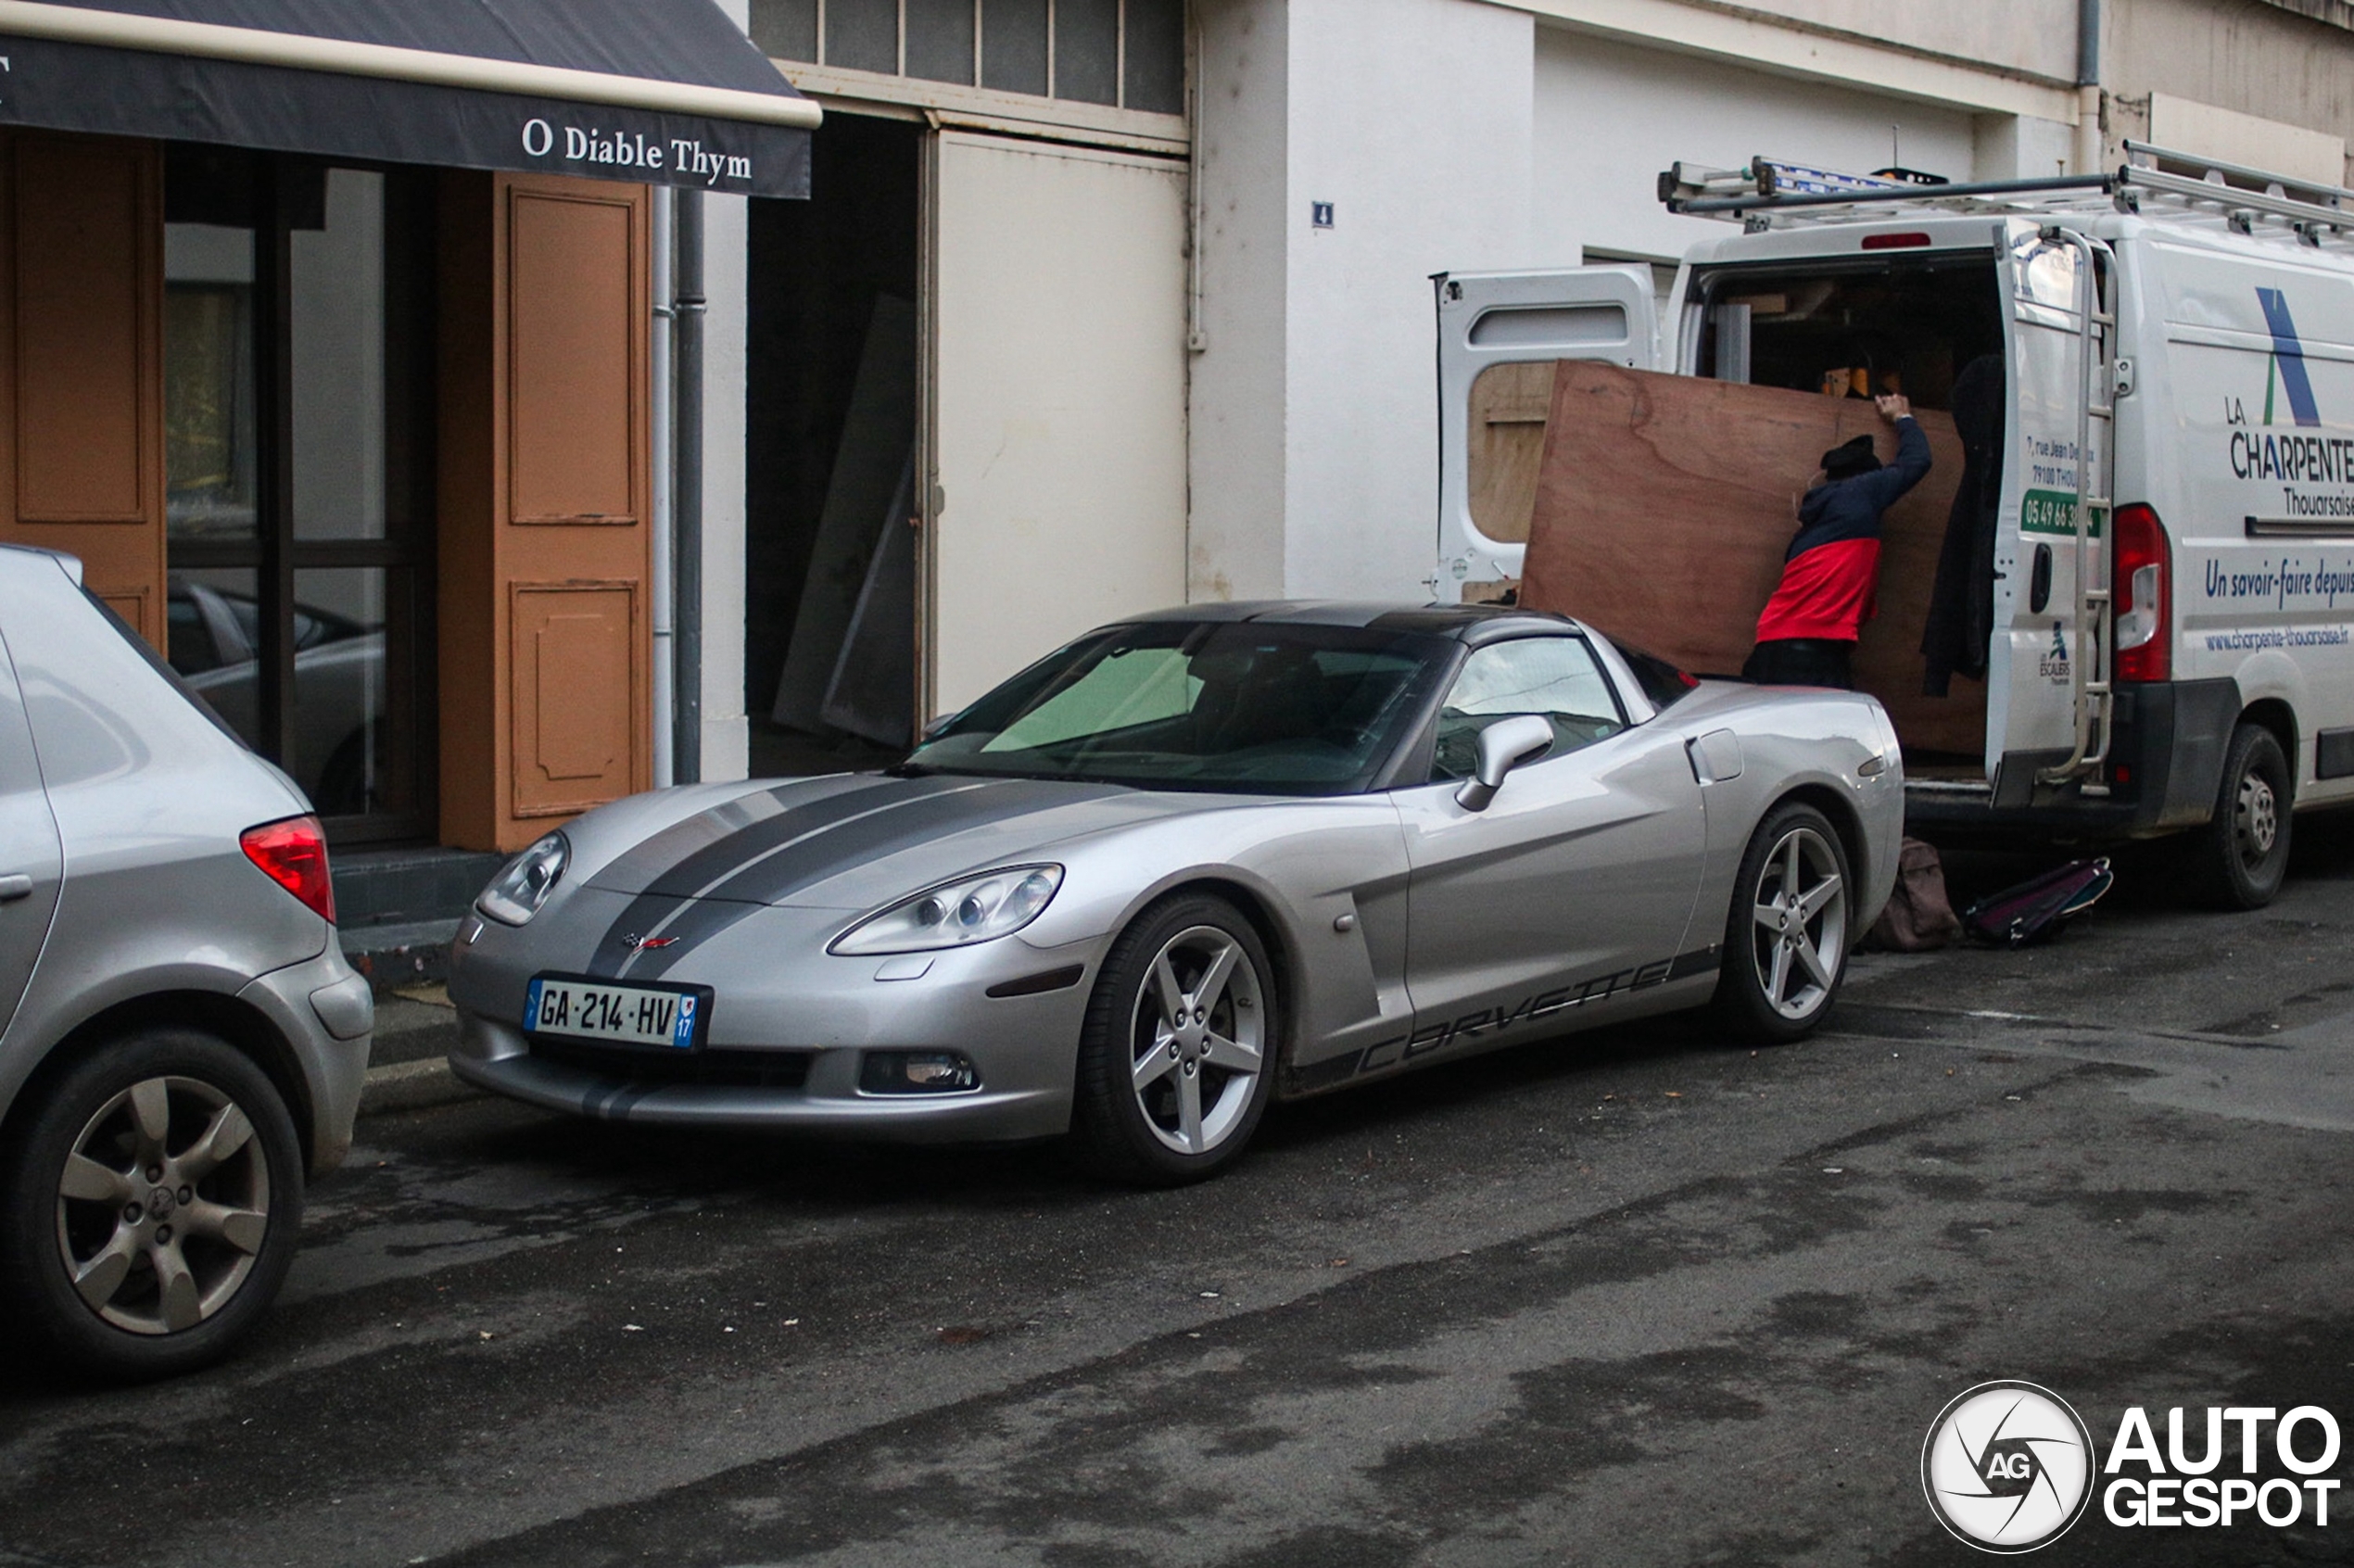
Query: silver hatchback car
181,1039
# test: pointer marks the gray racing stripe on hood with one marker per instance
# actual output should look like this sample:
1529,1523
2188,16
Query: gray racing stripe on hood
766,862
684,905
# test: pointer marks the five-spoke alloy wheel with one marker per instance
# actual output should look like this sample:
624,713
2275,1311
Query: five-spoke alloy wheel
1175,1065
1786,938
150,1210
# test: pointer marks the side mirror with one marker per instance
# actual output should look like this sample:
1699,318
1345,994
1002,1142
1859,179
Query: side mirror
1503,746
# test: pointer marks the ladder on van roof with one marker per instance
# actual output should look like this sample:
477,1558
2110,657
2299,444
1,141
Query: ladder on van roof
1767,193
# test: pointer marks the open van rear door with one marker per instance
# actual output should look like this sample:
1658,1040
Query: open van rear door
1499,334
2047,669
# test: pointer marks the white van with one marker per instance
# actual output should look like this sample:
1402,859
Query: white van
2170,636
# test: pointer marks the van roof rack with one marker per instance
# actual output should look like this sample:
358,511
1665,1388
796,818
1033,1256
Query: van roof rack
1767,192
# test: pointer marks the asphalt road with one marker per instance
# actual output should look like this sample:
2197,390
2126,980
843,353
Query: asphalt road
1642,1297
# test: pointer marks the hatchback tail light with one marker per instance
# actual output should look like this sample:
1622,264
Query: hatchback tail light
2139,582
293,854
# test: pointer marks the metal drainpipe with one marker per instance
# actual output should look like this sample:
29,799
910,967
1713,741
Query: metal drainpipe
686,328
664,478
2088,86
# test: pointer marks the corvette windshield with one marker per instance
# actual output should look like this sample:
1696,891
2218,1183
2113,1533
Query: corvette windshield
1237,706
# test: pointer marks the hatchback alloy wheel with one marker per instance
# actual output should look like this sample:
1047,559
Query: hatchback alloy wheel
163,1206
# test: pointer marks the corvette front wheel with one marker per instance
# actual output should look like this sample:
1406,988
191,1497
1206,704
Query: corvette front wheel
1786,936
1176,1059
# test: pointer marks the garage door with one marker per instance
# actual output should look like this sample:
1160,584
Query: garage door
1058,418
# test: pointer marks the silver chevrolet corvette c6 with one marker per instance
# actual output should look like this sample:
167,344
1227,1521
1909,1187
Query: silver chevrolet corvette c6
1188,864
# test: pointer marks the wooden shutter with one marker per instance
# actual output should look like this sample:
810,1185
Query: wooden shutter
545,559
81,361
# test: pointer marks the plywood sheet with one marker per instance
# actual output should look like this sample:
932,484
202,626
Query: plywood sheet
1509,406
1665,504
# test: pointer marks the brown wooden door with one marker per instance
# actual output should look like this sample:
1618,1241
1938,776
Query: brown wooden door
545,560
81,361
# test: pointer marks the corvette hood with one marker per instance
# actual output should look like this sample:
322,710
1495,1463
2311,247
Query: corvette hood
857,841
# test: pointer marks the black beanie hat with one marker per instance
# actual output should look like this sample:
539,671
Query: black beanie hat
1849,458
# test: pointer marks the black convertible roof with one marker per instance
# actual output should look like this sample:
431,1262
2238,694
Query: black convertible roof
1467,623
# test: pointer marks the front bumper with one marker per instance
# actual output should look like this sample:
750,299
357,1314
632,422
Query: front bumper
779,998
496,1057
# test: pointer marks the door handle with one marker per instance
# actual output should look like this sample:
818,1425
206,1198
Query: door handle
2039,581
15,887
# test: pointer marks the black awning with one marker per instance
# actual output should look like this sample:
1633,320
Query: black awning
661,91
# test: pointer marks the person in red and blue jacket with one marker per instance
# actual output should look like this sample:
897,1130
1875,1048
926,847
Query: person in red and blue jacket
1806,633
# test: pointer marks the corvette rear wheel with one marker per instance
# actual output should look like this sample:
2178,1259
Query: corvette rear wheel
1786,935
1175,1065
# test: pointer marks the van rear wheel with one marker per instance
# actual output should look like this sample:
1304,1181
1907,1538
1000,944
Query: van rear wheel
2239,858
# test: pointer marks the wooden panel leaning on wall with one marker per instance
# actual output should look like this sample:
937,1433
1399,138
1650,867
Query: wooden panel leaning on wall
81,361
1665,504
544,563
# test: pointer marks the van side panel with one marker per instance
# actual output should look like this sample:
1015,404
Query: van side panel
2244,387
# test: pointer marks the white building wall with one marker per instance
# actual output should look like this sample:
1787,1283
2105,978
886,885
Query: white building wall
1238,392
1412,118
1314,452
1610,116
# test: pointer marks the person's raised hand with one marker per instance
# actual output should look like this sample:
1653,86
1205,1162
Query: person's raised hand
1894,406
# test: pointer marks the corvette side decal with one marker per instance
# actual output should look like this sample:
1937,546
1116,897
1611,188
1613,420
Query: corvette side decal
1487,1021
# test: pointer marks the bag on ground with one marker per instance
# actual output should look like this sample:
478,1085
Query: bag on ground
1919,918
2039,908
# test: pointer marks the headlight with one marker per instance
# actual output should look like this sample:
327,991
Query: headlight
516,894
956,913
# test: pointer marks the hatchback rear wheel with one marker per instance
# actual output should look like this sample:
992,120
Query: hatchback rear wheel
148,1215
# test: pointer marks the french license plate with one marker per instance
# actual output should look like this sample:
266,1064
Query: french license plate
625,1015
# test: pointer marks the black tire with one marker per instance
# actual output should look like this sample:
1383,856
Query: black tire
2237,861
1744,1002
1137,1133
223,1249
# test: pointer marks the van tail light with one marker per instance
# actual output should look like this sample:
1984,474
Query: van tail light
2142,583
293,855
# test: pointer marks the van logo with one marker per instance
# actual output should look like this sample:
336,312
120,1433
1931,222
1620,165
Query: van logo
2286,371
2053,666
